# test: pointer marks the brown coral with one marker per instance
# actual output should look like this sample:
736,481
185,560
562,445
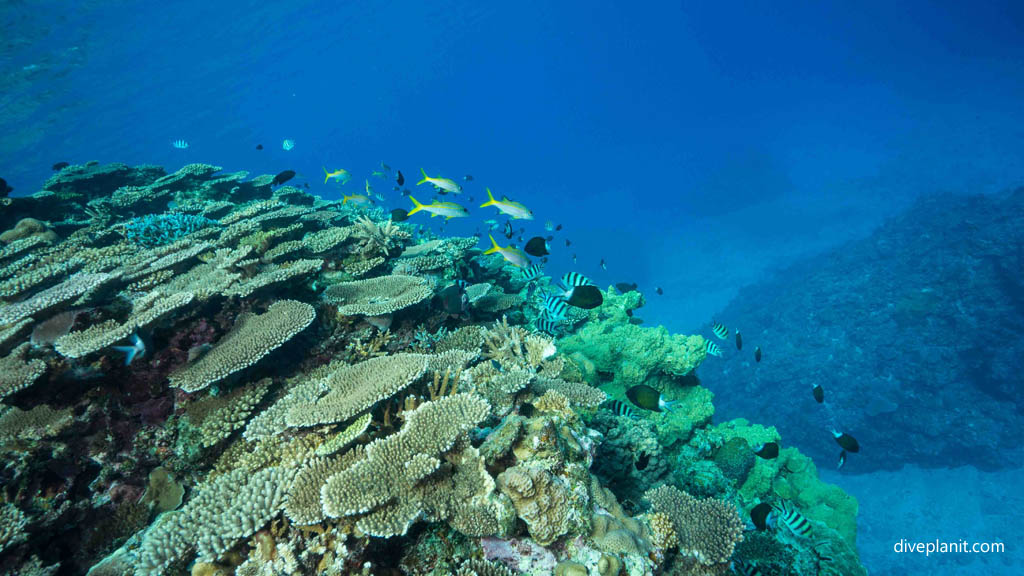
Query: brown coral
707,530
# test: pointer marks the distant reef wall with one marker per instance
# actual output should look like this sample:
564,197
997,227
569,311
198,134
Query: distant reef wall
916,335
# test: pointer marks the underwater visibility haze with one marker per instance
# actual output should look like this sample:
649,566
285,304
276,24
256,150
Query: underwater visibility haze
429,288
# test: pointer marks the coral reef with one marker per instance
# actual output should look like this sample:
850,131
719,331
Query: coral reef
206,374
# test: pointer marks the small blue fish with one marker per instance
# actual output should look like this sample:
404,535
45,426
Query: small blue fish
136,350
180,144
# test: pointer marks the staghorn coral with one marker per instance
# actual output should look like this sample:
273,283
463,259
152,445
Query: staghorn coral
356,388
378,296
707,530
17,373
230,507
380,486
252,338
377,239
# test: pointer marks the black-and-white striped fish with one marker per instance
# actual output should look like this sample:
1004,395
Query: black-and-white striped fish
548,326
713,349
744,569
572,280
720,330
622,409
793,519
554,307
462,283
533,272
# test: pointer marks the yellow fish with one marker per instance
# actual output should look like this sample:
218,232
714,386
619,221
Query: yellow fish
447,209
514,256
358,200
514,209
369,189
341,175
446,184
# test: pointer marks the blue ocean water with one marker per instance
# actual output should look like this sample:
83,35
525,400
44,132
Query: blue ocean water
691,147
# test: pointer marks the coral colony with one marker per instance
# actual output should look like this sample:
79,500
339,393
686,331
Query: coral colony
205,374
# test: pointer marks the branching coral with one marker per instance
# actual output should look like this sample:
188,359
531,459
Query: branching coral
17,373
356,388
375,239
707,530
230,507
252,338
382,486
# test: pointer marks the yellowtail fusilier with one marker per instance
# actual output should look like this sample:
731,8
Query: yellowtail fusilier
513,209
445,185
447,209
514,256
340,175
358,200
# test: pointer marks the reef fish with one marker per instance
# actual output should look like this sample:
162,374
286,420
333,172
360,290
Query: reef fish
136,350
624,287
739,340
768,450
287,145
659,291
445,184
447,209
604,265
533,272
586,297
720,330
513,209
399,215
358,200
554,306
180,144
842,459
648,398
819,393
282,177
549,326
793,519
759,515
757,354
573,279
453,300
400,179
713,349
4,188
60,166
537,246
620,408
514,256
846,442
341,175
259,146
745,569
